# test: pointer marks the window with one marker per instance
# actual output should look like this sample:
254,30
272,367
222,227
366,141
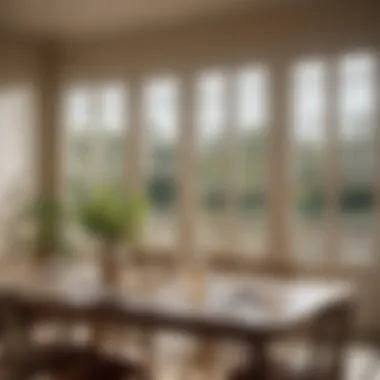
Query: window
160,145
251,145
114,123
78,143
357,172
232,116
309,152
95,135
211,156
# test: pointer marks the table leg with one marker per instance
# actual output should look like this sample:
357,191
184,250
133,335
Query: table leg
258,365
342,326
97,335
208,358
203,361
330,337
147,340
16,334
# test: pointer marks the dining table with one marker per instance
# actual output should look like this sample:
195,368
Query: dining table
255,310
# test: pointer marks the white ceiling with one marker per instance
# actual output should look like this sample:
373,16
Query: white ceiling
73,18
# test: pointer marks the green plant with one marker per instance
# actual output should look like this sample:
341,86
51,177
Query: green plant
111,216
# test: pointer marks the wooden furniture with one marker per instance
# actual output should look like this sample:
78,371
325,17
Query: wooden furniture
323,359
257,311
67,362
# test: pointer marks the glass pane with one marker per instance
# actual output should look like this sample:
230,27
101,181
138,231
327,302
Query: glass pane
78,141
309,142
357,173
210,177
252,133
161,111
114,132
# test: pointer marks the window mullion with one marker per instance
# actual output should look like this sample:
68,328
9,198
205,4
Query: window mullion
97,164
186,172
231,236
134,169
332,164
280,193
376,164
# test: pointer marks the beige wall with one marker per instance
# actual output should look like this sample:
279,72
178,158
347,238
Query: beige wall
18,89
263,35
35,67
19,82
17,60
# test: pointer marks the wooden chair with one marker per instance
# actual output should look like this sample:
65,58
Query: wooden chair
328,340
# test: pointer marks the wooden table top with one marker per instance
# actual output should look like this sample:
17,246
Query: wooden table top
229,306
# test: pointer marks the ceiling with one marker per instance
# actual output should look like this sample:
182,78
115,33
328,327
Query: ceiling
86,18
